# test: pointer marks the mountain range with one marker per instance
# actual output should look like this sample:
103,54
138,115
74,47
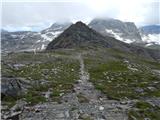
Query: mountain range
123,31
28,40
151,36
147,36
150,29
79,35
80,71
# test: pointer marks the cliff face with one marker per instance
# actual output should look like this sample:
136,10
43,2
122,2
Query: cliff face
123,31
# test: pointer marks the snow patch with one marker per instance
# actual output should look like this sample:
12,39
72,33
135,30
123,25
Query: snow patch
58,28
46,38
117,36
14,36
151,39
22,36
38,41
128,41
50,38
42,47
55,34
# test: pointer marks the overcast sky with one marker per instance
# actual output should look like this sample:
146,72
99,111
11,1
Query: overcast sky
39,14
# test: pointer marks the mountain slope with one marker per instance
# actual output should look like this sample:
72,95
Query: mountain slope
150,29
17,41
29,41
54,30
146,36
113,81
77,35
123,31
80,35
151,36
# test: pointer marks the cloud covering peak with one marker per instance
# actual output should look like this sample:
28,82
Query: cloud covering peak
38,14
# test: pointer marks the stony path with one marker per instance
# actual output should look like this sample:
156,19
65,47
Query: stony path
84,102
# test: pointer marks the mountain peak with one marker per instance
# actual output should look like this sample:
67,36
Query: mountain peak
80,23
79,26
123,31
77,35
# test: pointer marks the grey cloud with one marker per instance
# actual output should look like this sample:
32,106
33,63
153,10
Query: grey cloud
153,15
21,14
32,13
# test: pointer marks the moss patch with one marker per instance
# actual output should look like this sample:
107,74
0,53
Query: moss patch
57,70
144,110
82,98
118,81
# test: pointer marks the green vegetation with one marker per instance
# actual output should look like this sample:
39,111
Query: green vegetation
143,105
120,80
152,64
122,75
107,68
82,98
33,97
119,55
9,100
156,47
85,117
144,110
57,71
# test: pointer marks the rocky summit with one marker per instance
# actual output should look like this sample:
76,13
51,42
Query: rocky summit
78,35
